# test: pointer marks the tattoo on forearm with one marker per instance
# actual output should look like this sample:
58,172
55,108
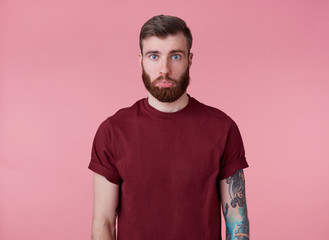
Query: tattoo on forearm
237,223
237,189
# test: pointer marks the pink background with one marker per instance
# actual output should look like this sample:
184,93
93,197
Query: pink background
67,65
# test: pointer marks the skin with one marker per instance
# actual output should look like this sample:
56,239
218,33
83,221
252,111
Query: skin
106,198
233,198
166,57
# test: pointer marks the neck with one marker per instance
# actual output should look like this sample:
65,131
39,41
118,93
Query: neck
179,104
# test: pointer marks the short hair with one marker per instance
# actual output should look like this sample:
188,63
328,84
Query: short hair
162,26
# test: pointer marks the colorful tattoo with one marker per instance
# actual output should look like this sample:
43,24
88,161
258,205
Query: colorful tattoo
237,223
237,189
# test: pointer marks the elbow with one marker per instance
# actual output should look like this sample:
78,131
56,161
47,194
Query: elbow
103,229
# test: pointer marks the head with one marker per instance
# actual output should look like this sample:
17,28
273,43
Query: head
162,26
165,43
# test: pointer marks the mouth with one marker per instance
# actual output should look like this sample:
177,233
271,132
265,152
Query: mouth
164,84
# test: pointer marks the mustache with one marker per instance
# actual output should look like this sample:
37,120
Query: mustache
166,78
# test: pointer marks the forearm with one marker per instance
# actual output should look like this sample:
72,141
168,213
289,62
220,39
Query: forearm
105,209
234,205
103,230
237,223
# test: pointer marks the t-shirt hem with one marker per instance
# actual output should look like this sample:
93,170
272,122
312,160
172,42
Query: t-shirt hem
233,168
105,172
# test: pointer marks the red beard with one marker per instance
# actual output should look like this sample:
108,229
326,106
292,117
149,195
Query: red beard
169,94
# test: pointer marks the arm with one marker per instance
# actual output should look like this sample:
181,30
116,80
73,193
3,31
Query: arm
233,198
106,196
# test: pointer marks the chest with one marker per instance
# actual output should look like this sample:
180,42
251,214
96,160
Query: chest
168,154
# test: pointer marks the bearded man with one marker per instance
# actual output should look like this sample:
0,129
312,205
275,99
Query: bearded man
164,166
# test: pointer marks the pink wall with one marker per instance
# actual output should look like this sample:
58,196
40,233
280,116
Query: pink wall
67,65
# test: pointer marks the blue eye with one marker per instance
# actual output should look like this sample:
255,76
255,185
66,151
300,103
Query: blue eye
176,57
153,57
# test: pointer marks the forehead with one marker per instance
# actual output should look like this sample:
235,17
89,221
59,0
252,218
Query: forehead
165,44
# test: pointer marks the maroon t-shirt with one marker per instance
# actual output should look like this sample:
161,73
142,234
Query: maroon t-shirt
168,166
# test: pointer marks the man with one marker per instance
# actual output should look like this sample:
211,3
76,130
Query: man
165,164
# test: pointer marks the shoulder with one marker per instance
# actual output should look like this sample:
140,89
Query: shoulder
128,112
213,114
122,115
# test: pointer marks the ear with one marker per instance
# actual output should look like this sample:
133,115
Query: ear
140,59
190,59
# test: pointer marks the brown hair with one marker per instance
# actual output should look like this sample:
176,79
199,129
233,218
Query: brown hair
162,26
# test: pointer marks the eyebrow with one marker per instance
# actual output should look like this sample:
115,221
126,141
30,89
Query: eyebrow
177,51
152,52
171,52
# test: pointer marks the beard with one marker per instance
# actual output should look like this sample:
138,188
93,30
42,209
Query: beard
170,94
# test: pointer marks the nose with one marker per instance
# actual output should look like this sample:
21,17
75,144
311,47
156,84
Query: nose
165,68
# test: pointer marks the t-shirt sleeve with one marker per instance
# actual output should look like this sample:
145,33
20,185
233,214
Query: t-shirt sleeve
233,158
102,157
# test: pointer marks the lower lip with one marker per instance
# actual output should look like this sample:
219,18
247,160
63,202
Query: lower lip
164,84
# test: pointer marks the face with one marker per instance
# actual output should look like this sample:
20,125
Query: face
165,63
